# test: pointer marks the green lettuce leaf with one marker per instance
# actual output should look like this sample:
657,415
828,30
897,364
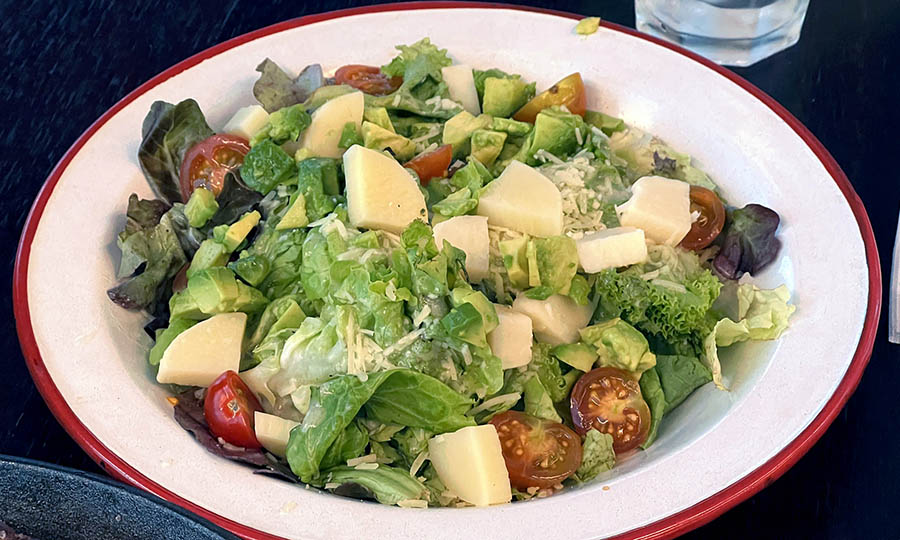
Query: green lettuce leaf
423,91
412,399
763,315
597,455
389,485
266,166
652,392
275,89
349,444
168,132
538,402
679,377
337,402
284,125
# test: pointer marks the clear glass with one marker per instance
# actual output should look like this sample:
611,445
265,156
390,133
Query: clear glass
729,32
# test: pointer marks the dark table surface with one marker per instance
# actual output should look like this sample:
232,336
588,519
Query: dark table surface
67,62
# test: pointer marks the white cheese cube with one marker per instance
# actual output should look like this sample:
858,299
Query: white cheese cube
470,463
197,356
661,207
611,248
247,121
511,340
273,432
381,194
461,85
470,234
324,132
555,320
524,200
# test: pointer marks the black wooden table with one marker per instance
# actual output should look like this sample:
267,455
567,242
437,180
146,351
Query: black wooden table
67,62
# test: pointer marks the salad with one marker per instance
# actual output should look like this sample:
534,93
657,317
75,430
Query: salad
431,285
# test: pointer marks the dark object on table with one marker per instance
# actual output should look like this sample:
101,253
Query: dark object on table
44,501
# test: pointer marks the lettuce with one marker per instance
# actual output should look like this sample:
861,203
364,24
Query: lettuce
389,485
423,90
619,345
652,392
667,384
538,402
669,296
275,89
762,315
168,132
414,398
597,455
284,125
748,243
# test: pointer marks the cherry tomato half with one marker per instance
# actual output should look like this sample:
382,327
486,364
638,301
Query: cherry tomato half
369,79
609,400
206,163
433,164
568,92
229,409
711,220
538,453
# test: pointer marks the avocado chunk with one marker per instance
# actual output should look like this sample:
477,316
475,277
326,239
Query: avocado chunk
534,275
239,230
458,129
216,290
379,117
606,123
183,306
503,97
465,322
554,132
513,253
465,295
487,145
619,345
200,207
295,217
209,254
253,269
580,356
511,127
378,138
165,336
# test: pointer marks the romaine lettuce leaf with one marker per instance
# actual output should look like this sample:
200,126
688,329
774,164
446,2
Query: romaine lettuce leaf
389,485
597,455
414,397
538,402
349,444
762,315
652,392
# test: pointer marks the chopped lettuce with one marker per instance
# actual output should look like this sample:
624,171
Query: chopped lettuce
762,315
266,166
389,485
597,455
652,392
538,402
275,89
284,125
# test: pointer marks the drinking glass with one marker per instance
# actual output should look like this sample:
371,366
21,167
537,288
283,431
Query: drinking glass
729,32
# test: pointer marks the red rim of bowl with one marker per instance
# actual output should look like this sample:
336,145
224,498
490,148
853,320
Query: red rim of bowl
685,520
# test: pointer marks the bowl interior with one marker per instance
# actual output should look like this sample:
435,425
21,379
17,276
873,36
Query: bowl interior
95,351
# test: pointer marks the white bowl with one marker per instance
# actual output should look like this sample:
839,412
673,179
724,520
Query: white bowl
87,355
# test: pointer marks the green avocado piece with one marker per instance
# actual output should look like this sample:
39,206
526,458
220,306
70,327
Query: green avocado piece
379,116
580,356
291,318
378,138
200,207
465,295
239,230
554,131
215,290
487,145
619,345
249,300
503,97
295,217
557,262
606,123
458,129
513,252
326,93
209,254
183,306
511,127
252,269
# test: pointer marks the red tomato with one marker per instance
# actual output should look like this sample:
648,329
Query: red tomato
369,79
434,164
229,409
609,400
206,163
538,453
711,220
568,92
